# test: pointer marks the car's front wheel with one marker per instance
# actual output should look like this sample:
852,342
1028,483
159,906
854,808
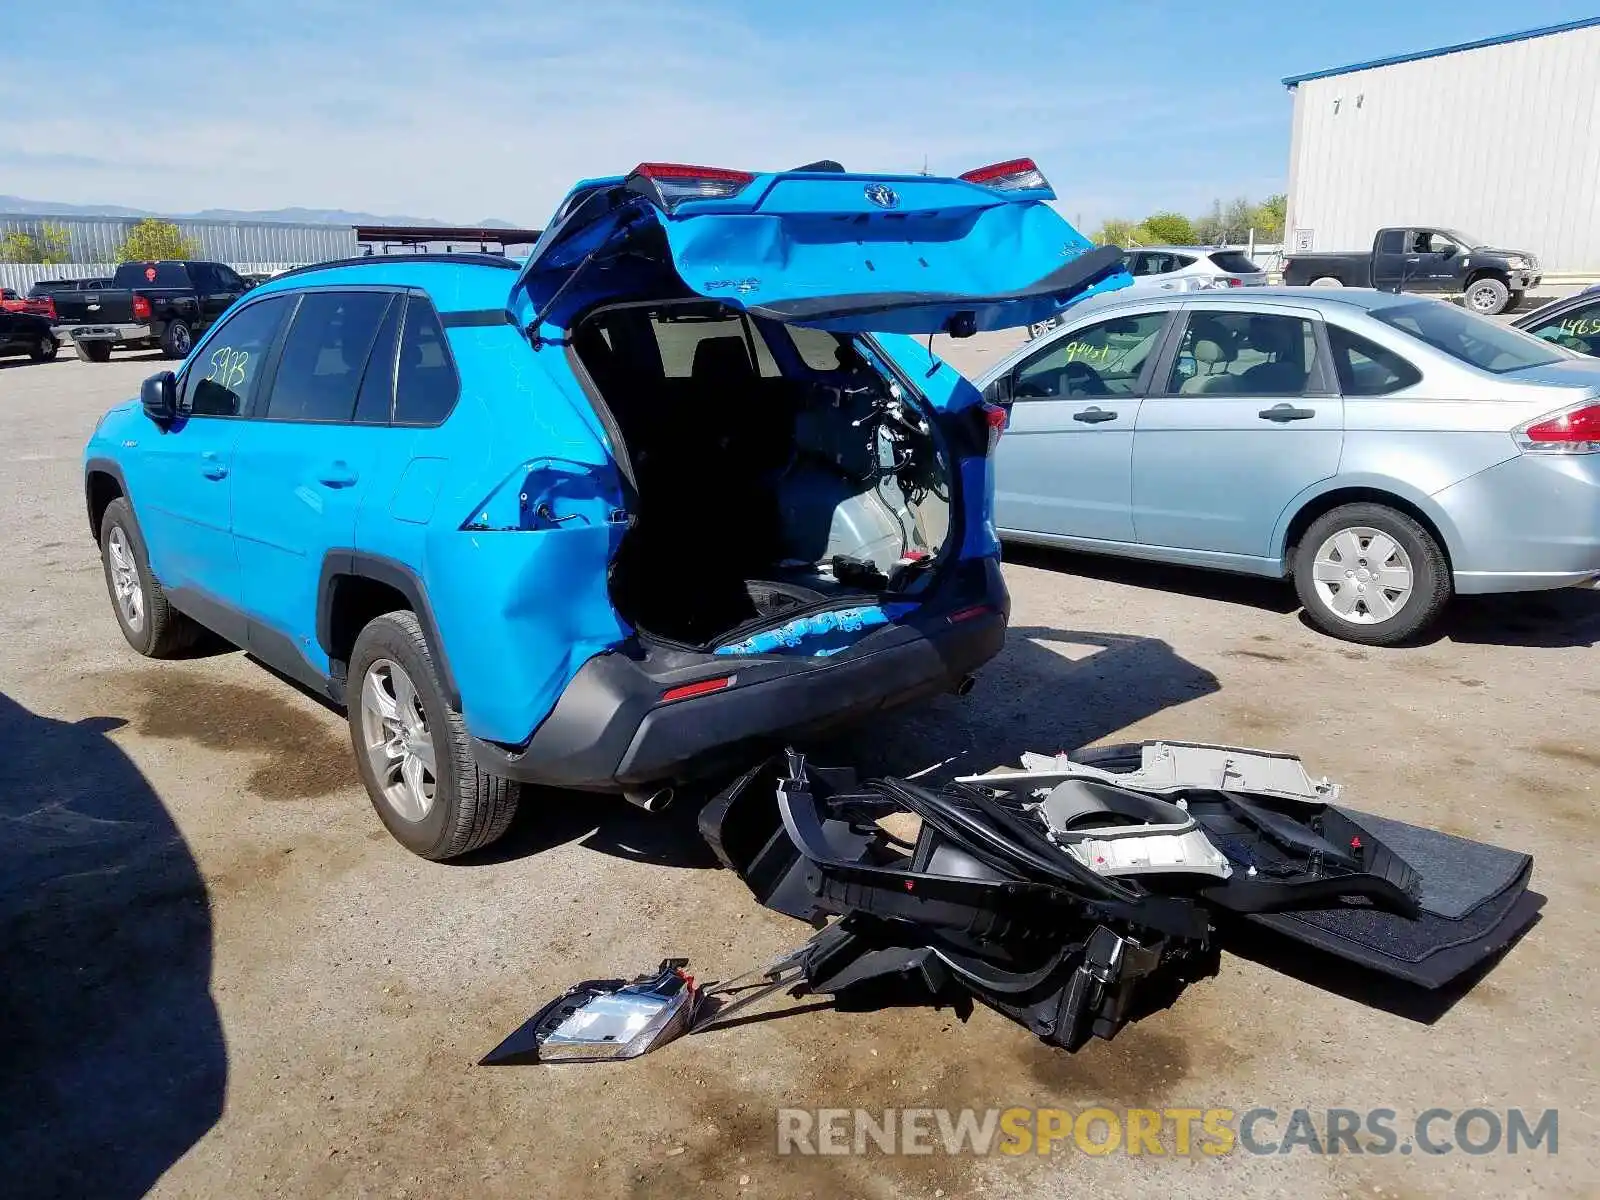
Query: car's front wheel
1487,297
412,748
1371,574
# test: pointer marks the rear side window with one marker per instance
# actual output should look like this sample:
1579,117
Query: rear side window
1366,368
151,274
426,384
1392,241
219,381
1235,262
1476,341
1246,354
1576,329
376,398
324,356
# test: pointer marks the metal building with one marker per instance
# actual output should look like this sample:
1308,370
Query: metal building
97,239
1498,138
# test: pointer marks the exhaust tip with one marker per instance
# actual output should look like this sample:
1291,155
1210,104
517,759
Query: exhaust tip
653,800
966,684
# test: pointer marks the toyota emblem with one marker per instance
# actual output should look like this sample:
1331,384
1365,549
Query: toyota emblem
882,195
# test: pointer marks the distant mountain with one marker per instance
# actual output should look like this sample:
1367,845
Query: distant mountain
307,216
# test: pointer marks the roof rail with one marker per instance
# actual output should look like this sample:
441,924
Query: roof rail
376,260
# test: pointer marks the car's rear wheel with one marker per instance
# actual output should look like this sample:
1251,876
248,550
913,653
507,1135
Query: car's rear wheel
45,349
412,748
176,340
1487,297
1371,574
98,352
151,626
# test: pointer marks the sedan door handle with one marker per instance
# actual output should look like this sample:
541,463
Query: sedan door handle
211,466
1094,416
1286,412
337,474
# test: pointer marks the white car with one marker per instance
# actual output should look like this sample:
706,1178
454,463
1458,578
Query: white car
1179,269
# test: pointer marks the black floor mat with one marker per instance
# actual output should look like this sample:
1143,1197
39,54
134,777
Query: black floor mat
1475,901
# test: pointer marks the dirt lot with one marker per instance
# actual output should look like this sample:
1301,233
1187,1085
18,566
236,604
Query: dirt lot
221,977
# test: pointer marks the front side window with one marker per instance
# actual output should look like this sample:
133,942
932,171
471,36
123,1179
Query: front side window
1104,359
1576,329
1366,368
1246,354
324,356
218,382
426,384
1474,340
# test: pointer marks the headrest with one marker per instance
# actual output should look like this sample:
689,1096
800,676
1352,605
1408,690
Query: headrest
722,358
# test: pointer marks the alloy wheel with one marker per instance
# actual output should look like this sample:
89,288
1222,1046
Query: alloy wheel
126,587
1362,575
398,743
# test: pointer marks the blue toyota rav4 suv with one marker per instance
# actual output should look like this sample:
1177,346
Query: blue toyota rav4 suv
611,517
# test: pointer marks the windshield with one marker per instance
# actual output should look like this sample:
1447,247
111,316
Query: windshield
1475,340
1465,240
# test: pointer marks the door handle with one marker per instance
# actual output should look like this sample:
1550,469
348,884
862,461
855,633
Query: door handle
1286,412
1094,416
211,466
337,474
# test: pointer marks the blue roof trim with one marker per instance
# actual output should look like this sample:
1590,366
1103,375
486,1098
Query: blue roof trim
1501,40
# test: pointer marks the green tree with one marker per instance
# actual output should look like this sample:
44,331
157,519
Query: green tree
1208,226
1169,228
1270,216
52,244
152,239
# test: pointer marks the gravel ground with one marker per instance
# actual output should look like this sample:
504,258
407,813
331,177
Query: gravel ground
221,977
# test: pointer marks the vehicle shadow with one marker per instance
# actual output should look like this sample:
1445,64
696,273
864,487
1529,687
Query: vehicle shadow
114,1060
1049,689
1251,591
1548,620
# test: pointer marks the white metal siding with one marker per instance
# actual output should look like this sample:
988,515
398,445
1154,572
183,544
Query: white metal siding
97,239
1502,142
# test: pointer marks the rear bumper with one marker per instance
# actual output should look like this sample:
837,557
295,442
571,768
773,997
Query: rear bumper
1531,523
105,333
610,729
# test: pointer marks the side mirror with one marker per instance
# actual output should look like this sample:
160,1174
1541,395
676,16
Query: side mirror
999,392
1449,250
159,395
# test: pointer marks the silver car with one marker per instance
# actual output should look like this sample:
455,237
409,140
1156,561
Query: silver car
1178,269
1382,450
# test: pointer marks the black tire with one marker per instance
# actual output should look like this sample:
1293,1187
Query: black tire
1487,296
1431,585
99,352
1515,301
177,339
159,631
470,808
45,349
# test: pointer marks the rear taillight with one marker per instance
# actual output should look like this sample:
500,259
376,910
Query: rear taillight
995,417
673,183
1016,175
1575,431
1234,281
49,308
141,308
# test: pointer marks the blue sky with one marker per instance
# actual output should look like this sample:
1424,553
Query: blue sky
403,106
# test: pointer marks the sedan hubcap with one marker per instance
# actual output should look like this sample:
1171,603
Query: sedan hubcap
125,586
1362,576
399,747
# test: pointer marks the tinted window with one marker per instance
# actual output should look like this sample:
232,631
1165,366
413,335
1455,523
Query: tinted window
1235,262
376,397
1392,241
680,332
203,278
218,382
817,348
1103,359
425,378
1247,354
151,274
1576,329
1476,341
324,355
230,280
1366,368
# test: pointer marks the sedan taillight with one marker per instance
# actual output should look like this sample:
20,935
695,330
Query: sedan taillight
1575,431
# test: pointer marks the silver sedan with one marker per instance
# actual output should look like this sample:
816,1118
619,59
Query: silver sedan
1384,451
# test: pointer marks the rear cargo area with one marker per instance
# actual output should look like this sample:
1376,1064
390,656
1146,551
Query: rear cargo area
777,470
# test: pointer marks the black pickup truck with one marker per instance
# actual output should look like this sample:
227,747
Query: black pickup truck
148,305
1423,259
